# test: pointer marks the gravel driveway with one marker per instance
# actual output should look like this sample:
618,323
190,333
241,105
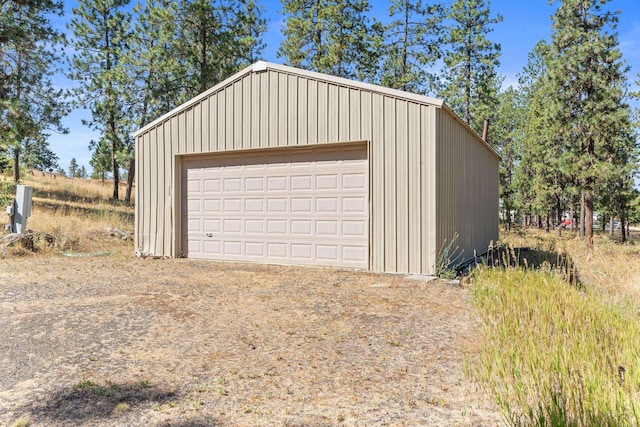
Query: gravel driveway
120,341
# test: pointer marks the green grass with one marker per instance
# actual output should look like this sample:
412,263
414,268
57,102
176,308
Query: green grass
555,354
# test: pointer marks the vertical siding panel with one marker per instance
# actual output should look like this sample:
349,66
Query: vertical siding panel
377,175
189,140
137,182
402,188
303,109
390,220
344,114
365,130
256,103
265,123
282,110
230,114
415,218
168,173
222,120
354,115
236,107
312,120
153,203
206,123
333,114
323,111
246,111
273,109
197,128
428,191
292,110
147,191
213,123
161,189
182,133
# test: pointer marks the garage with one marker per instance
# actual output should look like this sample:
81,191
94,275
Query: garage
280,165
300,207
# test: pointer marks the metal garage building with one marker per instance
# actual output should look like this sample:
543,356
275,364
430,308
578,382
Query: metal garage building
284,166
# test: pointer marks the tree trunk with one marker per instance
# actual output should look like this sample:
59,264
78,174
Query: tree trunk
547,223
571,225
623,228
130,177
581,224
588,218
16,165
611,226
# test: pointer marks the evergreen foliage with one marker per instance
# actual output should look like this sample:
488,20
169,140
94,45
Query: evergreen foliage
30,107
586,106
332,36
470,82
412,45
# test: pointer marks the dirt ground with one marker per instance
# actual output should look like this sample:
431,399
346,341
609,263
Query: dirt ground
117,341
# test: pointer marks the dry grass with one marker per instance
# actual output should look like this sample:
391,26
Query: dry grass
76,213
561,331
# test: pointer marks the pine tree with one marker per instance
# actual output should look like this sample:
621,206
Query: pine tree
331,36
102,33
29,104
507,136
100,159
73,167
215,39
412,45
470,80
587,80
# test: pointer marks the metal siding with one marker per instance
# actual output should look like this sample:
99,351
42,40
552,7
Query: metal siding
428,190
197,128
282,111
377,175
312,116
168,159
213,124
273,110
402,188
333,114
389,152
426,170
467,202
355,100
146,236
414,178
264,124
343,114
323,112
221,120
303,112
138,215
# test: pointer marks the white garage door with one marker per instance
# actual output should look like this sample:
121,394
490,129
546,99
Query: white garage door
302,207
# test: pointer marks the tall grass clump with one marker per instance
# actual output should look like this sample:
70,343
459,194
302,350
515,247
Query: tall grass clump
556,354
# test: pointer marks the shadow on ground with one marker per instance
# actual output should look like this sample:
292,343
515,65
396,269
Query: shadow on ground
89,402
530,258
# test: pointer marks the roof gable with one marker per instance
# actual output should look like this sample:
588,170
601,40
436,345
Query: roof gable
262,66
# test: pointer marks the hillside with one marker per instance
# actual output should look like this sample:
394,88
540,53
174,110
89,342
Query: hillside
73,215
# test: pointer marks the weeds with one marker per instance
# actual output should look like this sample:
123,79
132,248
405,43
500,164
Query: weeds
448,259
556,354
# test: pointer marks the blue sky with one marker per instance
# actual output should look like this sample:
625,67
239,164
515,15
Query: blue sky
525,22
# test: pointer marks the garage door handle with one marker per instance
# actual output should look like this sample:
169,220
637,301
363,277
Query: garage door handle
209,234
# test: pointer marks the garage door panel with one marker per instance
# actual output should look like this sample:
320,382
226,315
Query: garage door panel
300,207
